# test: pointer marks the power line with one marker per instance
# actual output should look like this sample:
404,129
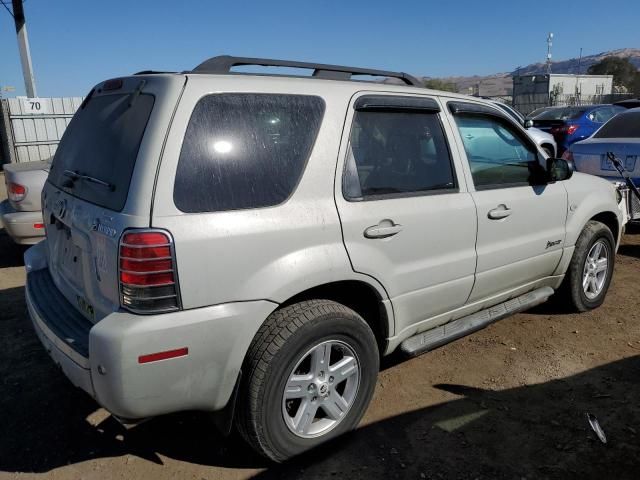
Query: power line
7,8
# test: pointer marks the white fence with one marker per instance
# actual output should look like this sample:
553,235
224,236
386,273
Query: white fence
30,129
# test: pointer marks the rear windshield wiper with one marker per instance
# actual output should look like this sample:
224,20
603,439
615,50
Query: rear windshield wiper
136,93
79,176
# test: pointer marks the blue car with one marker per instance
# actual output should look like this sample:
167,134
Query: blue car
572,124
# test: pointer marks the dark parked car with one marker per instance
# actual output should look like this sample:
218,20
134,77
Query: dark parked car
571,124
629,103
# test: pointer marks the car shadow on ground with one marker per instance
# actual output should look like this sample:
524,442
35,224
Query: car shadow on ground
11,254
537,431
629,250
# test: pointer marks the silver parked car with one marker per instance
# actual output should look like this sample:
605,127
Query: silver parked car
21,213
252,245
620,135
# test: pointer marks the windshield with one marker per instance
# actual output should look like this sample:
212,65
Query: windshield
626,125
564,113
98,150
535,113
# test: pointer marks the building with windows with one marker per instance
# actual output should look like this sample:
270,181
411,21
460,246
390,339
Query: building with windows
543,90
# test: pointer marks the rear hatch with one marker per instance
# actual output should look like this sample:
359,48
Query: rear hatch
101,183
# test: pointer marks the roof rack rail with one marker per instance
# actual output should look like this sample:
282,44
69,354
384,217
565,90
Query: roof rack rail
150,72
224,63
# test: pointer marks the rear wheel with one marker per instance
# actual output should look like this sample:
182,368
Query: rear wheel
310,374
591,268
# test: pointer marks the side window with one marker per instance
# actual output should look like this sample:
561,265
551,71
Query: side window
600,115
396,152
245,150
603,115
498,155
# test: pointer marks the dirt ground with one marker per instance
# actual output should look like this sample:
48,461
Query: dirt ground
507,402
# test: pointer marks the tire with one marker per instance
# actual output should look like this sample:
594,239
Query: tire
288,343
573,290
548,150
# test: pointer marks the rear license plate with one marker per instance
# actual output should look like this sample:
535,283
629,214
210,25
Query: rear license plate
629,163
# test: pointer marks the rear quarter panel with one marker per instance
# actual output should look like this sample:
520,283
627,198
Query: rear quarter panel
267,253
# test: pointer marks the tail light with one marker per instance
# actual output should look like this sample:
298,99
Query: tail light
148,279
565,129
568,155
16,192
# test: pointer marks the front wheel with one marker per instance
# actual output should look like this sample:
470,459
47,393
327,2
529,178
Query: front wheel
591,268
310,374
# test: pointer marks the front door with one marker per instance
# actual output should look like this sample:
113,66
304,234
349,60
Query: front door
407,218
521,219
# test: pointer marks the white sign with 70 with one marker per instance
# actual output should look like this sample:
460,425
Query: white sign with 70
35,105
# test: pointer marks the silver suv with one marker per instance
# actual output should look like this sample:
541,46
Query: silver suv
251,245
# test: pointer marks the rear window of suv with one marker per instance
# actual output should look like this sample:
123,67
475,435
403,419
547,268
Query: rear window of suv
102,142
245,150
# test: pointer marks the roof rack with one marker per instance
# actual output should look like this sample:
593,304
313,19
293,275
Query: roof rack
150,72
224,63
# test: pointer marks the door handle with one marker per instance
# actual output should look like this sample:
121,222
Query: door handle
501,211
386,228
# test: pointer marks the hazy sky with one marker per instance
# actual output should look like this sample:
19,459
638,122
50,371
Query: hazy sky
77,43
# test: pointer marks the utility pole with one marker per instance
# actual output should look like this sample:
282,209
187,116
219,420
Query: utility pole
549,45
23,46
580,62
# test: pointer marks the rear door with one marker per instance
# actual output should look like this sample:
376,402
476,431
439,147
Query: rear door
104,154
521,220
406,215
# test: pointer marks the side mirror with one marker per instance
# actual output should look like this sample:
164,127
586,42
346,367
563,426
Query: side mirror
528,123
559,169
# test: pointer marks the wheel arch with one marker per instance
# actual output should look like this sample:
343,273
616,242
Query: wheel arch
362,297
610,219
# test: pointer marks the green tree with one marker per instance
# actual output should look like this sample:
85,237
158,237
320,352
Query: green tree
438,84
625,74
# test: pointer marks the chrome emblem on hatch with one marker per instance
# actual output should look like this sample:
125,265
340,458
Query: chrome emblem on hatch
96,226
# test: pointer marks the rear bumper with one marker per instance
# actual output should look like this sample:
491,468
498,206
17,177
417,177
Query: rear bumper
20,225
217,339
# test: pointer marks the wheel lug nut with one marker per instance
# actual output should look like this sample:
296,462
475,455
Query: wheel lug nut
330,379
312,387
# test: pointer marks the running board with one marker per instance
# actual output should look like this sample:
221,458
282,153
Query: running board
436,337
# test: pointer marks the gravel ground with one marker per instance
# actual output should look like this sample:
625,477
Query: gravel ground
507,402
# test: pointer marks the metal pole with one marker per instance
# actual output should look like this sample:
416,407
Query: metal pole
549,44
23,46
580,62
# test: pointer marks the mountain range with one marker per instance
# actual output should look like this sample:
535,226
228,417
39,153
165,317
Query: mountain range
501,84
